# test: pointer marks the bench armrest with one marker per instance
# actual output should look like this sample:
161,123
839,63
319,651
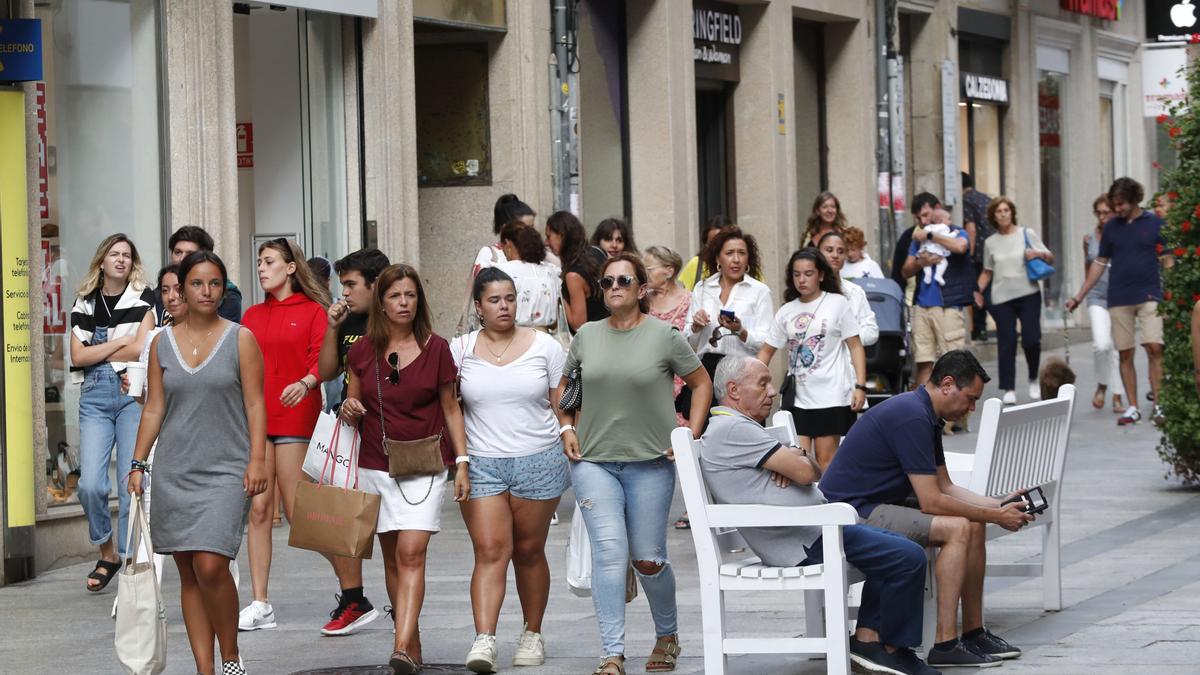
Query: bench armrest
761,515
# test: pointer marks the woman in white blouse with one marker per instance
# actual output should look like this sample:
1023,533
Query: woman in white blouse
833,247
537,281
731,310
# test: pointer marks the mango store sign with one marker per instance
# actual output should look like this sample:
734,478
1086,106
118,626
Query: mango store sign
20,50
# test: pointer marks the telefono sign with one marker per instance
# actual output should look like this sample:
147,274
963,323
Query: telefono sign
1171,20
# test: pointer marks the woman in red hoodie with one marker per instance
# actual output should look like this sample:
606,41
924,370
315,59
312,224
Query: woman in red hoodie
289,327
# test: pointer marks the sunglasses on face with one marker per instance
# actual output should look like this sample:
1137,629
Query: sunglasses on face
623,281
394,361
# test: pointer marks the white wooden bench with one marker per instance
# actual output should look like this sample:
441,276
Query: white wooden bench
1021,447
824,585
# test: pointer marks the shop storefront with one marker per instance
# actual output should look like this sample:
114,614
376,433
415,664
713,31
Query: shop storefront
717,35
983,98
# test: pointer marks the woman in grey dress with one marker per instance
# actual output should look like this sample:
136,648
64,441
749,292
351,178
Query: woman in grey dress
205,408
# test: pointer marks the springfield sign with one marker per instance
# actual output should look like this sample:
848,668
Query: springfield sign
716,39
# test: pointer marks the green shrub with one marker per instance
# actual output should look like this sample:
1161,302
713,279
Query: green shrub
1180,444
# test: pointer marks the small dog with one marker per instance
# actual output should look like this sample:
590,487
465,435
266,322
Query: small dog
1055,373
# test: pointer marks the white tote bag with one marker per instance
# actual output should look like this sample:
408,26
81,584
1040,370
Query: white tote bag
141,633
579,557
324,437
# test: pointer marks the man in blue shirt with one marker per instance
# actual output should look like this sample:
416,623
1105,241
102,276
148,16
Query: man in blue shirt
938,321
1131,247
892,469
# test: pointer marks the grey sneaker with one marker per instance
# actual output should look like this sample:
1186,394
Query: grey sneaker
531,649
1158,418
990,643
256,616
961,655
872,657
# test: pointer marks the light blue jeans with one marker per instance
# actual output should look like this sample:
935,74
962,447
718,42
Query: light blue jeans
106,417
626,506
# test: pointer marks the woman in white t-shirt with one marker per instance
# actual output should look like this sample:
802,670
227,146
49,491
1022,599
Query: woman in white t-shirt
508,379
537,281
820,331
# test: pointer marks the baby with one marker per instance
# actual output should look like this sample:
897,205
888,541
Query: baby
939,224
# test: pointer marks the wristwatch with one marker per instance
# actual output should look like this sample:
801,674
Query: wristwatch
860,386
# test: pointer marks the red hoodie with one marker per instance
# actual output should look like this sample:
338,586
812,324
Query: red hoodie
289,333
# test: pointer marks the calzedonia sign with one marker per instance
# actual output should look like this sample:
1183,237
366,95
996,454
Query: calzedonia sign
1109,10
716,40
984,88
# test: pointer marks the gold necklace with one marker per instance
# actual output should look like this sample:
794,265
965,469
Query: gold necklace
187,330
502,351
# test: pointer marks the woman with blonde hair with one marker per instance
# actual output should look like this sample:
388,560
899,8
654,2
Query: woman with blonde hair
109,322
826,217
289,327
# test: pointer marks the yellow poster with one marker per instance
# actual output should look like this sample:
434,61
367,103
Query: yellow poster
14,282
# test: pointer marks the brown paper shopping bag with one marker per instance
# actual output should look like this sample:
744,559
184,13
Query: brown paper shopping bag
335,519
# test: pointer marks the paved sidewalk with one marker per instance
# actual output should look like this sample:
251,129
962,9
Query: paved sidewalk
1131,588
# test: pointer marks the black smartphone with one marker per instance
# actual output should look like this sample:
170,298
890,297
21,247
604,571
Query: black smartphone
728,314
1033,500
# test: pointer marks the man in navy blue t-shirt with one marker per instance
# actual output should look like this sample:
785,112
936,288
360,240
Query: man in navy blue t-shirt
891,468
1131,246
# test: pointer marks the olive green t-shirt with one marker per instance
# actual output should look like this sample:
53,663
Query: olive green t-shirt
628,410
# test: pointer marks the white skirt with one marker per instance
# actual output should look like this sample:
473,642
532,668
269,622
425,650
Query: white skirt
395,510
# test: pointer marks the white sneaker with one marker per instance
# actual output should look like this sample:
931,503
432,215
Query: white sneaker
1035,391
531,650
1010,398
482,657
257,615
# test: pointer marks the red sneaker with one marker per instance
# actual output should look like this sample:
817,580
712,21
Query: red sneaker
349,616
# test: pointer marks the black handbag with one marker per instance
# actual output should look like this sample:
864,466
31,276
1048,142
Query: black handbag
572,394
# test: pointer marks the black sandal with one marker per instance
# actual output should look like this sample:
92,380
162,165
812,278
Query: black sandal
402,663
110,567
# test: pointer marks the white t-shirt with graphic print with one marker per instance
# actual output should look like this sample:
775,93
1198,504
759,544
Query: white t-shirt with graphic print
813,337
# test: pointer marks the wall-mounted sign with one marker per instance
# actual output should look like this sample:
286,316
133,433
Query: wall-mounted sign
20,50
984,88
245,145
1109,10
1162,81
716,40
1171,20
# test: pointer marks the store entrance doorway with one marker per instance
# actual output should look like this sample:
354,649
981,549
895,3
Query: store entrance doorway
291,133
714,150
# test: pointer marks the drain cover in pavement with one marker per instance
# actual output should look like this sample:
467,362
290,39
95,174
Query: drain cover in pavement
450,669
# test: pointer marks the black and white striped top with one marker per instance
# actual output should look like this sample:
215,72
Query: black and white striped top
127,315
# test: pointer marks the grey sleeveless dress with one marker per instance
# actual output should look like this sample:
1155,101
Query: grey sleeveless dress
203,449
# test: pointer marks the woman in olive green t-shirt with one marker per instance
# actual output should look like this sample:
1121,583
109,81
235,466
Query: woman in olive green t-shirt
620,460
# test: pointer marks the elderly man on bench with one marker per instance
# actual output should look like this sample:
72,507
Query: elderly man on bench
743,464
892,468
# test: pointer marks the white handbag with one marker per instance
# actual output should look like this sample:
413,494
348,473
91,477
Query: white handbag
579,557
141,631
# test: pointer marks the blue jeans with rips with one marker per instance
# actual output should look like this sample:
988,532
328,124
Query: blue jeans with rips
626,506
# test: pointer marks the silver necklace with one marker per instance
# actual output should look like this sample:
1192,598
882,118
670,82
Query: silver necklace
195,348
502,351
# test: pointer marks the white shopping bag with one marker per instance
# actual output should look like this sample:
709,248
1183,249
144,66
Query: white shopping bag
579,557
331,435
141,632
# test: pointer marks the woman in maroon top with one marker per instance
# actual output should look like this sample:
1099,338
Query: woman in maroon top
402,374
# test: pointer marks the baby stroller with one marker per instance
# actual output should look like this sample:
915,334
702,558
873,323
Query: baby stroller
888,367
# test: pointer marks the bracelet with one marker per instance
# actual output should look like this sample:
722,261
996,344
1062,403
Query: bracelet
462,459
860,386
139,465
565,428
306,387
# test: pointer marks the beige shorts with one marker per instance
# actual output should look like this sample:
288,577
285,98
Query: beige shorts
937,330
913,524
1123,323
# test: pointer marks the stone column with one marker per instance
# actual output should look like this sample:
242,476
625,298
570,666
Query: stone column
662,123
199,89
390,128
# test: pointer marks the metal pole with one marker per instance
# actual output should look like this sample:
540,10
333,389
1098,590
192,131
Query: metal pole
883,124
561,102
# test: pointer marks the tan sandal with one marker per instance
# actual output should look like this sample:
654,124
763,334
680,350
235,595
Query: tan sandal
611,665
663,656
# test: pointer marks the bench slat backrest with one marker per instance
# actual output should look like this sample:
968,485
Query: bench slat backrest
1022,446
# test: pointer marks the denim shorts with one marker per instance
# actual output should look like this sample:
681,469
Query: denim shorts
540,476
